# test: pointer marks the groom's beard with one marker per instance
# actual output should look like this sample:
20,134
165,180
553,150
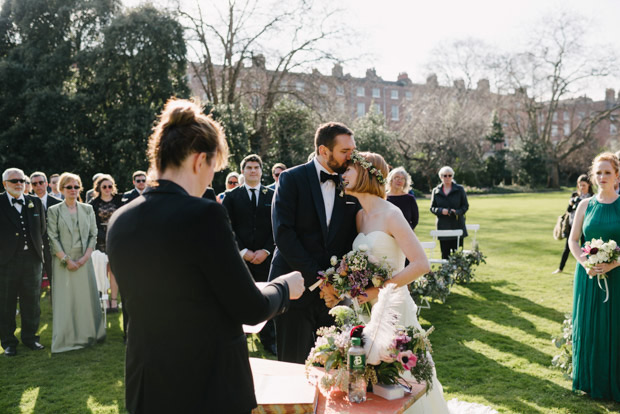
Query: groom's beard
335,166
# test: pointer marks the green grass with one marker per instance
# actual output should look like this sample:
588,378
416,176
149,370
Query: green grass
492,342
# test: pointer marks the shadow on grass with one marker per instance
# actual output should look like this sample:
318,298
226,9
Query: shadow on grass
516,376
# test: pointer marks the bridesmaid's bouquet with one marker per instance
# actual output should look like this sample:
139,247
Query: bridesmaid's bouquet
354,273
598,252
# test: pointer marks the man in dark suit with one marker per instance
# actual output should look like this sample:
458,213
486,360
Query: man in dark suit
249,210
22,226
139,183
276,170
312,220
38,180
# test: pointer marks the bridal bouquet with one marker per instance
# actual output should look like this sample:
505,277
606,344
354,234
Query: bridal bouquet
598,252
354,273
394,354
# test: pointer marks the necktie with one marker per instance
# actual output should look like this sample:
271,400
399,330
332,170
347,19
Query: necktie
17,201
253,198
334,177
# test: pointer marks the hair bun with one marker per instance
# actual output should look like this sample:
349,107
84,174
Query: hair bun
182,113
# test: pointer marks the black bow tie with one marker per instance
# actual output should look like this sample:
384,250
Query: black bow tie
17,201
334,177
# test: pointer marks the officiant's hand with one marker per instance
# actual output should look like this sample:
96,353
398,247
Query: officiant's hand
329,295
295,283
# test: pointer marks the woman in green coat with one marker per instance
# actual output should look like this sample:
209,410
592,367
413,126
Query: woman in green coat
77,317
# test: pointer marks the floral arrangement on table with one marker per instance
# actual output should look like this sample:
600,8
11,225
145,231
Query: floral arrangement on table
598,252
563,361
354,273
394,354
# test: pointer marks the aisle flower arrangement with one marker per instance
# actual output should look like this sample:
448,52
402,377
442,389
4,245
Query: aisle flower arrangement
394,354
563,360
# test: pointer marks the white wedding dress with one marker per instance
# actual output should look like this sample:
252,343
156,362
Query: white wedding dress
383,246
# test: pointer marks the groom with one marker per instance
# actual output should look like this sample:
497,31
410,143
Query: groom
312,220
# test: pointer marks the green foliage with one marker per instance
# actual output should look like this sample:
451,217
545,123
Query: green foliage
532,164
373,135
563,360
462,265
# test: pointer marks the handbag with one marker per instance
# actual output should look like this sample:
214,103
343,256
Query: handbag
562,227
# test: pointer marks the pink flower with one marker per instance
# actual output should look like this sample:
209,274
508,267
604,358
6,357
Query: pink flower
407,359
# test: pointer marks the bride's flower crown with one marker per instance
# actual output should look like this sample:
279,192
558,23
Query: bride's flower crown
357,158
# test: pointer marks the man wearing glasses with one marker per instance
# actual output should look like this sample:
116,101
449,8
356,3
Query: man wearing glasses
276,170
38,181
22,227
139,183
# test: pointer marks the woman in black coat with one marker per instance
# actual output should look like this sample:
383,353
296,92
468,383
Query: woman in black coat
449,204
186,289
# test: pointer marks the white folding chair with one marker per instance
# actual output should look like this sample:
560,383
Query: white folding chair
436,234
470,228
429,248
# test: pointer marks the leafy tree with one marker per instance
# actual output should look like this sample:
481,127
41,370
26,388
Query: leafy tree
372,134
496,164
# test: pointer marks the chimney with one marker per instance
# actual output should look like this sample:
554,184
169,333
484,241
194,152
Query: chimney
609,94
431,81
258,61
483,85
337,71
459,84
371,73
403,79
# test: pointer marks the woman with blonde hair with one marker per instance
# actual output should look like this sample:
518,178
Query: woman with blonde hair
596,298
72,230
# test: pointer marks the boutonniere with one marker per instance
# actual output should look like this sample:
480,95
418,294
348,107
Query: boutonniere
30,204
341,188
264,190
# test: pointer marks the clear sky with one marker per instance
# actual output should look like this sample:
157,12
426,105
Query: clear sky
399,35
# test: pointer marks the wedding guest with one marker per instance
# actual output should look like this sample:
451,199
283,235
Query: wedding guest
22,228
89,193
77,317
105,202
584,190
139,182
249,210
232,182
39,185
276,170
596,301
449,204
191,355
398,186
54,186
27,186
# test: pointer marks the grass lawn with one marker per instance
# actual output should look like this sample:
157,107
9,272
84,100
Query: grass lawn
492,342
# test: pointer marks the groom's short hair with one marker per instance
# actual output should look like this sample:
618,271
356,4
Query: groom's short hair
326,133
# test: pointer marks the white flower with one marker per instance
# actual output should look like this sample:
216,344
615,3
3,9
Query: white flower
30,205
372,259
333,261
612,245
363,247
597,243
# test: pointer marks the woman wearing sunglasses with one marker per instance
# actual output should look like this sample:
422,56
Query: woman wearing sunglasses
105,202
77,317
449,204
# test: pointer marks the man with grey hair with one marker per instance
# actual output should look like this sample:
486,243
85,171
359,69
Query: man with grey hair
22,227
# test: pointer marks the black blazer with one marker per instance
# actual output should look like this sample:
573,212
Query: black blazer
51,201
252,231
303,241
189,356
457,200
130,195
10,227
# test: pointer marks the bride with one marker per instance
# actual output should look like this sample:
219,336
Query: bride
387,234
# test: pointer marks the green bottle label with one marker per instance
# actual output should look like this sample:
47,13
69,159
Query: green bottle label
357,362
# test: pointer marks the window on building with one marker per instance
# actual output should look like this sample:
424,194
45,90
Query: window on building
394,94
376,93
323,89
299,85
566,116
360,91
554,130
566,130
395,112
255,102
361,109
255,85
377,108
408,95
555,117
340,90
340,106
581,115
237,84
613,129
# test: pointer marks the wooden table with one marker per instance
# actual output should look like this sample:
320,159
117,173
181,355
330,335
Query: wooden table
282,387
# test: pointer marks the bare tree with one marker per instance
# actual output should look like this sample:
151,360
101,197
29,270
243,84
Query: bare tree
546,77
276,39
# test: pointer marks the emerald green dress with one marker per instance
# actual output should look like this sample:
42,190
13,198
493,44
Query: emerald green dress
596,325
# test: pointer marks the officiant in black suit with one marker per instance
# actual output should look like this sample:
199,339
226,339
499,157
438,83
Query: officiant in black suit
312,220
249,209
173,247
22,227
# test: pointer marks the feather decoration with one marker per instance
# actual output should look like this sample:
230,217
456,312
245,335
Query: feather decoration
379,332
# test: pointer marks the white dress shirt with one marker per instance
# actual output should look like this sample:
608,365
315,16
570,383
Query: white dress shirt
44,201
248,190
328,188
18,207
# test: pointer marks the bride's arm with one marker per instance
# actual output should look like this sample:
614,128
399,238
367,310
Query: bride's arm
410,245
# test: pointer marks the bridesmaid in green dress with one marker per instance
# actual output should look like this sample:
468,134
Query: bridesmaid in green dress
596,323
72,229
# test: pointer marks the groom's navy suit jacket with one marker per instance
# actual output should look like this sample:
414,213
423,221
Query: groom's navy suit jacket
303,240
